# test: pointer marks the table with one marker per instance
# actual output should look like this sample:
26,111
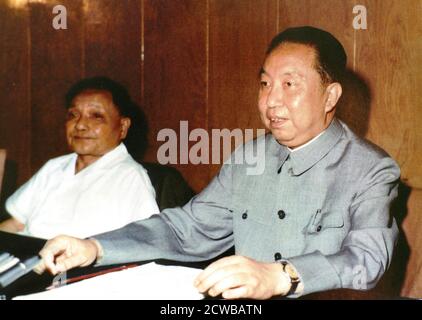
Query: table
24,247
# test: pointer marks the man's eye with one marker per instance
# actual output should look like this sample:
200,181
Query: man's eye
264,84
289,83
71,115
98,115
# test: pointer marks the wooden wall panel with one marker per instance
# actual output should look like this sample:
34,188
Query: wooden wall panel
175,73
15,122
388,54
112,41
332,15
239,32
113,48
56,60
412,286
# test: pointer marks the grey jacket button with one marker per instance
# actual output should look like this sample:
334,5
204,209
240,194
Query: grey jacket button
319,228
281,214
244,215
277,256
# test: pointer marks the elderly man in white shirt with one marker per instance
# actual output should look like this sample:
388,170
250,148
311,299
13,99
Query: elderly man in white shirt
99,187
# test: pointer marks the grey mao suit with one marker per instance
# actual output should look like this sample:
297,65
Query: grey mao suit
325,208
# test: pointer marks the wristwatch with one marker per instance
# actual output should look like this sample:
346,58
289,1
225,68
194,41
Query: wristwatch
294,277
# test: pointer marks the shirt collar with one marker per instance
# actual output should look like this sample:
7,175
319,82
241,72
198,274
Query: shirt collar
104,162
109,159
307,143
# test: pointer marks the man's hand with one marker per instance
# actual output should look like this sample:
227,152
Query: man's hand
11,225
239,277
63,253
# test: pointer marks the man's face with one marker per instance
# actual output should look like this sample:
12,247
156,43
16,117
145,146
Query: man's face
94,125
292,100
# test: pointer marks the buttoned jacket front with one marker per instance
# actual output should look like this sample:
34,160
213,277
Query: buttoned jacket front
325,208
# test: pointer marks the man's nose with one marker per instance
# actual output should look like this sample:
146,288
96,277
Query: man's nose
81,123
275,97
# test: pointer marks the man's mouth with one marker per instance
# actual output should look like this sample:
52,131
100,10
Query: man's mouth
276,122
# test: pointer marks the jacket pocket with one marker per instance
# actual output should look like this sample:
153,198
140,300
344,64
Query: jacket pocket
324,220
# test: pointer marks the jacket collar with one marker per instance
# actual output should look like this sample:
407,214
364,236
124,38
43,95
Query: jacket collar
277,151
305,158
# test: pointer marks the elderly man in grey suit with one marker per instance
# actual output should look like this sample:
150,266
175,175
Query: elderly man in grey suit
317,218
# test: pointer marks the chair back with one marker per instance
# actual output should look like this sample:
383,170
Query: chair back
171,189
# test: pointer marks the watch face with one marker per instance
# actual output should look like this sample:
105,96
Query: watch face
291,271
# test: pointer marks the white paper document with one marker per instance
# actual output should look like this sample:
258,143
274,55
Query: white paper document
147,282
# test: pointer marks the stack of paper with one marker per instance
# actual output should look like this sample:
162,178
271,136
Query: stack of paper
147,282
12,268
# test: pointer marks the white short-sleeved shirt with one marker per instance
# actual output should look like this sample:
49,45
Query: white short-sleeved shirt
108,194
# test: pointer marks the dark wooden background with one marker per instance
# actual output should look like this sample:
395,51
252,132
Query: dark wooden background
198,60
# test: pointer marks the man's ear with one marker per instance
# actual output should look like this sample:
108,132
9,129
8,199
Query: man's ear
124,127
334,91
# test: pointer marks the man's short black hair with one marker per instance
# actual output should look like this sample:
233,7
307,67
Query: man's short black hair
120,96
331,57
